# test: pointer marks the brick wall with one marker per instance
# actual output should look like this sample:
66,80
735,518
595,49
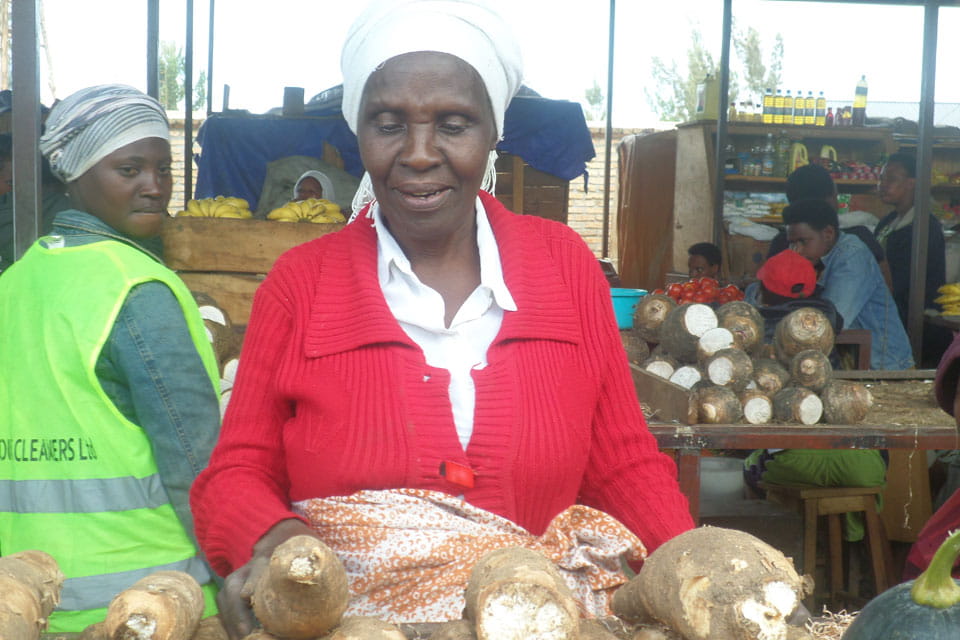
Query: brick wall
585,211
177,130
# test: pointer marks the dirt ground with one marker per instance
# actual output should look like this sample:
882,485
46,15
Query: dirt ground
904,402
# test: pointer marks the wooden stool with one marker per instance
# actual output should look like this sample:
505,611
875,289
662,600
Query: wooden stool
860,338
833,502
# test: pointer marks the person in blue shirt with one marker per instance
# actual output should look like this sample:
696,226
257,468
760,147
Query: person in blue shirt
851,280
814,181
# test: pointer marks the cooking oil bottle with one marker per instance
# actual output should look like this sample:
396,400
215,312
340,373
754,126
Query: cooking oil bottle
778,107
768,107
860,103
821,120
809,109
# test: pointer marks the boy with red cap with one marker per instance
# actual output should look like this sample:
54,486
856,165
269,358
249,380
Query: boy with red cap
788,281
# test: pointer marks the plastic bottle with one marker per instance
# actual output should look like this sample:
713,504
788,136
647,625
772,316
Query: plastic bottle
788,108
799,107
708,99
860,103
828,119
758,112
809,109
782,162
732,114
768,106
768,159
731,162
846,119
778,107
821,115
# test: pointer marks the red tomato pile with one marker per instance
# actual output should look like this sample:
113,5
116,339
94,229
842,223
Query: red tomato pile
702,290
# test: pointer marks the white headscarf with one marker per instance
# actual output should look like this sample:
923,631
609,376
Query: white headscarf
325,183
92,123
467,29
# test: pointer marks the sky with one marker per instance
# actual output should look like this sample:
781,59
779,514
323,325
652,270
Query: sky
261,47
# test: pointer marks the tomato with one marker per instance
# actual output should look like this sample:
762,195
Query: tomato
707,283
724,297
658,292
674,290
689,285
688,296
702,297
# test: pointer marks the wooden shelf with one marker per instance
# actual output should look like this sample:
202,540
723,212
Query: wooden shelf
866,134
741,179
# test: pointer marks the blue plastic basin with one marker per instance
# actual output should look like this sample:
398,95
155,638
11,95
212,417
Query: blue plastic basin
624,304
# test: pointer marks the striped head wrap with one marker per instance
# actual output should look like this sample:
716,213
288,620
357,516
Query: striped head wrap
92,123
467,29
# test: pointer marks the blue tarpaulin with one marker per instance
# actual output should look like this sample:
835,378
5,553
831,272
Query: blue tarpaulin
550,135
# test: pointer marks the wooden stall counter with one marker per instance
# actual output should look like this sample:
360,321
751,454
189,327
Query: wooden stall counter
904,420
227,258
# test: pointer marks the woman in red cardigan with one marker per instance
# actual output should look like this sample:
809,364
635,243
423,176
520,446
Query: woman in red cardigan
439,343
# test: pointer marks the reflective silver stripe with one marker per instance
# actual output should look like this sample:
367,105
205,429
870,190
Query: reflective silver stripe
82,496
94,592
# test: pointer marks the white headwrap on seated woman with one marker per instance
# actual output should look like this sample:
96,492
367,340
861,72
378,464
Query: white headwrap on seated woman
92,123
325,183
467,29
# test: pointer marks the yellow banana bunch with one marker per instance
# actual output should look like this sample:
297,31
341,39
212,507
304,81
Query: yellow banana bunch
219,207
949,299
309,210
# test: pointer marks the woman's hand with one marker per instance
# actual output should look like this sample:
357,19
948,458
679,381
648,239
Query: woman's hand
237,591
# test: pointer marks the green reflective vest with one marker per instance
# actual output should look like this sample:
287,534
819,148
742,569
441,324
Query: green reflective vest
77,479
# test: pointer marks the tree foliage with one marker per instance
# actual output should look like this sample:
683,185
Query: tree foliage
172,67
596,101
674,93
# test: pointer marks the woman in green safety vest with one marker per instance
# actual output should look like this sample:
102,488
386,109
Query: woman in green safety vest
108,383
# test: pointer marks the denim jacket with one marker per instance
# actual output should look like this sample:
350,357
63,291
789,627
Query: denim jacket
150,369
852,280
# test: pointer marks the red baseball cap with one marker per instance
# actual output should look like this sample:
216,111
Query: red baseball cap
788,274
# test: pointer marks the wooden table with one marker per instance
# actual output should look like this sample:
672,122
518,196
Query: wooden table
688,440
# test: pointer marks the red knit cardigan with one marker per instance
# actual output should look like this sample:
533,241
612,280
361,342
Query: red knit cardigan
332,397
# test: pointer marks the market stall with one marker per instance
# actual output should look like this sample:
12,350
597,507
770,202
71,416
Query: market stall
550,136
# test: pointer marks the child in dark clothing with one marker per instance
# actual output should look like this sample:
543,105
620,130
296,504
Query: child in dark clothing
788,282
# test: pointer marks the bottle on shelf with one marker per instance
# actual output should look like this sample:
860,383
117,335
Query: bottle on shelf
757,112
799,108
847,117
828,118
767,113
731,162
768,159
778,107
781,164
809,109
732,114
788,108
821,114
859,116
